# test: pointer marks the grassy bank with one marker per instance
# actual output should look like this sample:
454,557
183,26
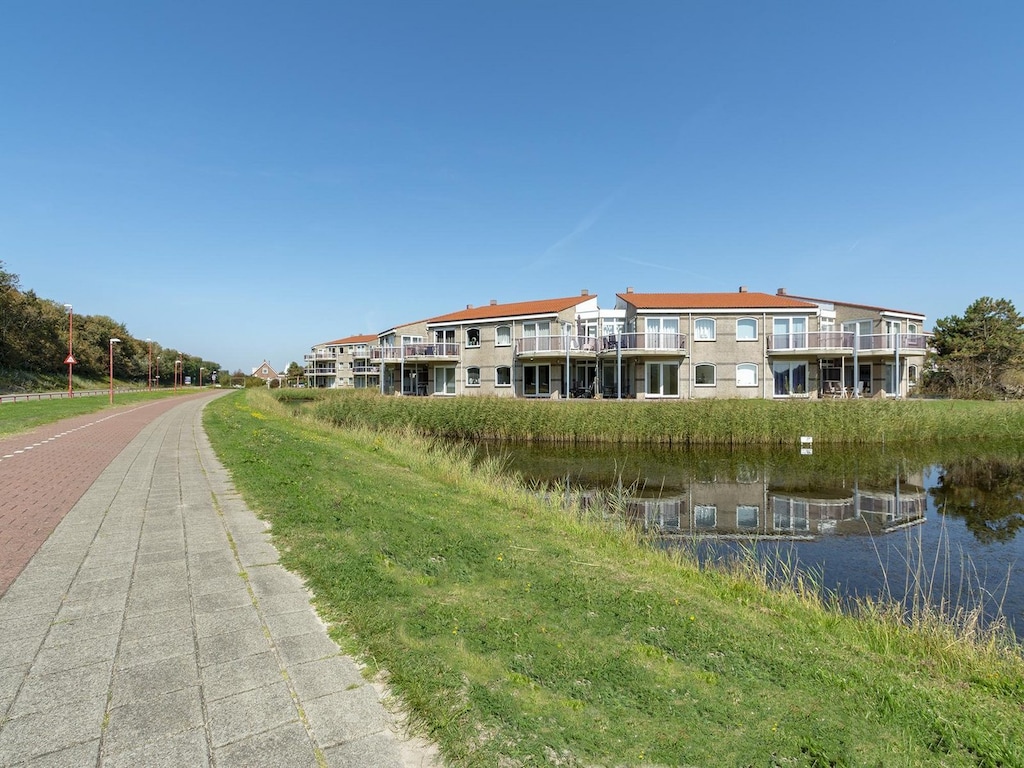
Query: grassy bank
516,633
25,415
693,422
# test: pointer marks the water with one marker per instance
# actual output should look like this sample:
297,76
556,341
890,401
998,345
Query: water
942,521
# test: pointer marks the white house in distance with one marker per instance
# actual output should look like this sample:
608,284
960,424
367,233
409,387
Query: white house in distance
664,346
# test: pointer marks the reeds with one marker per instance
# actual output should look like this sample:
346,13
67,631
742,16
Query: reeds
681,423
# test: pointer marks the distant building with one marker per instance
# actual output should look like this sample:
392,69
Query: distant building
266,372
343,363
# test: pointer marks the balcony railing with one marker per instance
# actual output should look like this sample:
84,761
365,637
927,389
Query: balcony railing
320,355
366,369
844,341
645,341
417,351
673,343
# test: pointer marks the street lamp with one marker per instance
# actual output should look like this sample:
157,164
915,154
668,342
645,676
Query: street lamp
112,343
150,341
201,369
177,365
70,359
158,373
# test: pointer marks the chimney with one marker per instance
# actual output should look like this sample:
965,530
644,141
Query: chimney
629,289
743,289
494,302
469,306
584,292
781,291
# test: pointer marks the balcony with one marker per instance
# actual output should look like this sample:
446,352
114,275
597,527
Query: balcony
420,352
673,344
645,343
320,354
843,342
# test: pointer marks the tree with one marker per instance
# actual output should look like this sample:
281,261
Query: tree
979,352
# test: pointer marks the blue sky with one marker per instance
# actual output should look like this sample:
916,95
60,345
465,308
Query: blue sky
242,180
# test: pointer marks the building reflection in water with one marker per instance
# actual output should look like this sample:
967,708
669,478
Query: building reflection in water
744,508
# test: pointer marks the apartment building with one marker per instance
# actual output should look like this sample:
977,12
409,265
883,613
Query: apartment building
650,345
507,350
343,363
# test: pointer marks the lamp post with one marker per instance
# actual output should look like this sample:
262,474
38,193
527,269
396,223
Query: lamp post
112,343
177,365
201,369
70,359
158,373
150,374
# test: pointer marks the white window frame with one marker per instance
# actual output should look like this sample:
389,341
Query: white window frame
503,336
744,322
469,338
746,367
714,374
661,332
701,322
747,509
444,380
508,376
705,516
470,377
789,366
662,368
538,392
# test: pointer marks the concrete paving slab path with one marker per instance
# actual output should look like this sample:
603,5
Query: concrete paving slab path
145,619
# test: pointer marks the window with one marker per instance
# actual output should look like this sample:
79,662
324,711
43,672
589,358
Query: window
704,516
444,381
473,337
662,333
789,333
503,376
266,370
790,378
746,516
537,337
536,380
704,329
663,379
789,514
912,375
503,336
704,375
473,376
746,329
746,375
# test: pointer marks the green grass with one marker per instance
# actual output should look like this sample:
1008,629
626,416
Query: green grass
25,415
687,422
516,633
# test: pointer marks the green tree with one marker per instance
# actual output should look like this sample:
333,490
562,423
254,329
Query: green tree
980,352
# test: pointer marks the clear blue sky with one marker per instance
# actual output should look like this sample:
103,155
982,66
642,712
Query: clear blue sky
242,180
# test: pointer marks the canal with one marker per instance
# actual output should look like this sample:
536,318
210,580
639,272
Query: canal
940,523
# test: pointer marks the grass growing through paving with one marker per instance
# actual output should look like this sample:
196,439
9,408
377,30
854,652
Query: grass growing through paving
25,415
517,633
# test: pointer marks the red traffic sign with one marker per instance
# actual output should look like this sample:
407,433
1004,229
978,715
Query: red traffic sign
70,360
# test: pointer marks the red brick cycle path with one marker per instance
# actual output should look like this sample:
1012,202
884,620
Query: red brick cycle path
44,472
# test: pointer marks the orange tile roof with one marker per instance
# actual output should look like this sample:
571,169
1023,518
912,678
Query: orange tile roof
737,300
363,339
515,309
